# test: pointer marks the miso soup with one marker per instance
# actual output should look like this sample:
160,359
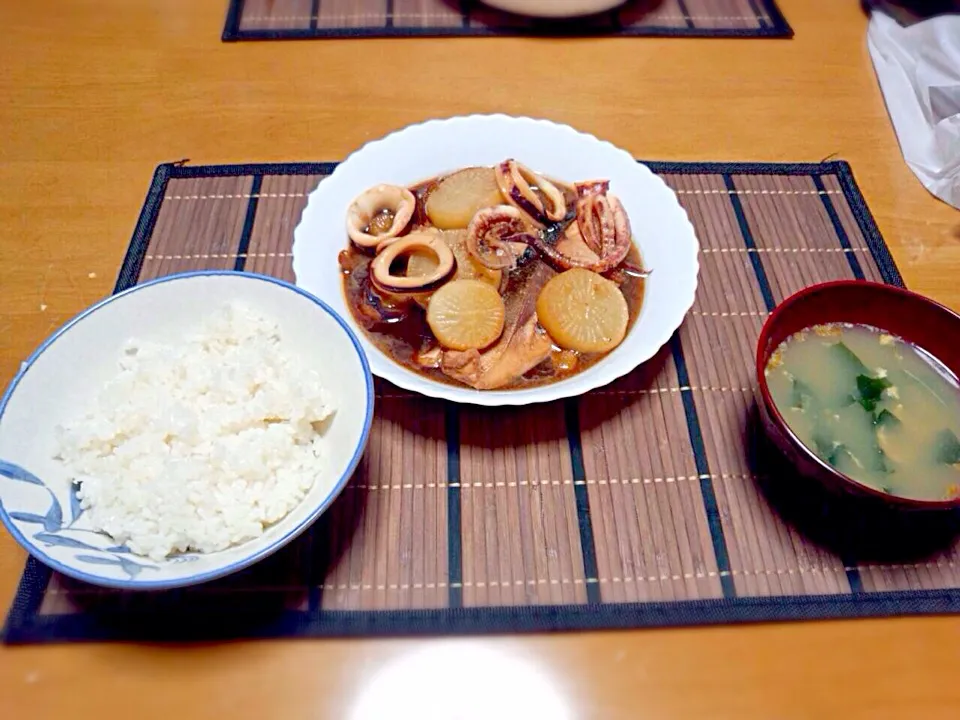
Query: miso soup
875,407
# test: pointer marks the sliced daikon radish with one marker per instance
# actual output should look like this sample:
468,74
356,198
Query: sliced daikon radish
466,314
583,311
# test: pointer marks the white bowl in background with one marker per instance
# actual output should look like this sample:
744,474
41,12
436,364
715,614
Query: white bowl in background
36,503
662,232
555,8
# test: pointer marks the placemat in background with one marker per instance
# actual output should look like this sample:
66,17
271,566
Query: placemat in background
300,19
648,502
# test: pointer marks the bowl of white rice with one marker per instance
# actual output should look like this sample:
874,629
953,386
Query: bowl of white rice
182,430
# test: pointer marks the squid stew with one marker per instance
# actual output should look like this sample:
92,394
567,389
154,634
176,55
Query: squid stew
493,277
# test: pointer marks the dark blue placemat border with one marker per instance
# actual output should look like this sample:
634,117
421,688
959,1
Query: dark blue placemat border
25,625
777,27
226,625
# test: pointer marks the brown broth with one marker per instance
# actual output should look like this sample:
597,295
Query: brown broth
408,335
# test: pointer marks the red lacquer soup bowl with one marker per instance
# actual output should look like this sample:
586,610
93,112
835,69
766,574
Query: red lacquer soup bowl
918,320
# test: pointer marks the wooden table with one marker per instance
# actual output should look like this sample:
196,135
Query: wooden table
96,93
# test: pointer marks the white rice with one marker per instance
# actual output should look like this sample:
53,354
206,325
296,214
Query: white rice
199,445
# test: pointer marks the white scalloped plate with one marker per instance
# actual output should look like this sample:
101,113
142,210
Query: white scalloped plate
662,231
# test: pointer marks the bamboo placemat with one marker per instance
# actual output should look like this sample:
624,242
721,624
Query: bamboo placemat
648,502
300,19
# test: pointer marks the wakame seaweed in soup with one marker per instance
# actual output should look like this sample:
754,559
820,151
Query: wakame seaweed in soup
877,408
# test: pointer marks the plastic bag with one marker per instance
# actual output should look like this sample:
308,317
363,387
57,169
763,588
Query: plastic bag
919,72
